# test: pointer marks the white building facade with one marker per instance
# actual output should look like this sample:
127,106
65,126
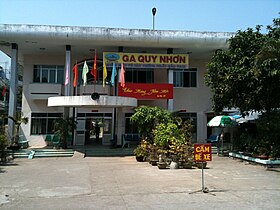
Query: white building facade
47,53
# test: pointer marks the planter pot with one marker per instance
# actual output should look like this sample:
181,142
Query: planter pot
162,165
153,162
200,165
140,158
186,165
14,147
174,165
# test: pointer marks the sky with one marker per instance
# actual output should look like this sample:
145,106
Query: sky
190,15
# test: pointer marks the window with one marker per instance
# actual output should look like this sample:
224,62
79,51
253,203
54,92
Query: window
192,116
185,78
43,123
139,75
48,74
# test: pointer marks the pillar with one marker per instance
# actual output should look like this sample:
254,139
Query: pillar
13,89
170,81
67,72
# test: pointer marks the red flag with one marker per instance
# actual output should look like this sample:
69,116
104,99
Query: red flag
94,70
4,90
75,71
122,76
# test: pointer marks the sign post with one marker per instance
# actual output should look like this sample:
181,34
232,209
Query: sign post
202,154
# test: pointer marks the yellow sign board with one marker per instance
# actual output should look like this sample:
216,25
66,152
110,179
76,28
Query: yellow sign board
147,60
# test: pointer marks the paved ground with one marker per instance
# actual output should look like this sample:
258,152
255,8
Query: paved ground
123,183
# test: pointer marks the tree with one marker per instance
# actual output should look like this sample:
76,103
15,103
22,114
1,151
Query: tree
247,75
147,118
63,128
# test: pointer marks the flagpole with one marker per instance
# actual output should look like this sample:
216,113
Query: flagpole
115,111
74,115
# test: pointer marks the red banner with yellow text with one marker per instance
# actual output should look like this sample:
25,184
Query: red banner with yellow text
146,91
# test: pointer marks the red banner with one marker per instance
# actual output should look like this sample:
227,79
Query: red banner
202,152
146,91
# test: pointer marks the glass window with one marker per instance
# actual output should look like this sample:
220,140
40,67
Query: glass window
48,74
139,75
42,123
52,76
185,78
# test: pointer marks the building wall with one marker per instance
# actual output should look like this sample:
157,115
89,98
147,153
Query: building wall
195,99
29,105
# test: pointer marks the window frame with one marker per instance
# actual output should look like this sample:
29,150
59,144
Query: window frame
41,121
44,74
179,77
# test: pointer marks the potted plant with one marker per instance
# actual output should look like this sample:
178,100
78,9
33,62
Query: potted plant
161,162
18,120
3,145
185,157
63,128
141,151
153,154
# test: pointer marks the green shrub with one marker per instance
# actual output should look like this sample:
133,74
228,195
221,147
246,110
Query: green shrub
3,145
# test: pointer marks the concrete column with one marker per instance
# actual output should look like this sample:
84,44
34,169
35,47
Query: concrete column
170,81
115,110
201,128
67,70
13,89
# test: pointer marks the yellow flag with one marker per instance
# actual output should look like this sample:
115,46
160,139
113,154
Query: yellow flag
104,74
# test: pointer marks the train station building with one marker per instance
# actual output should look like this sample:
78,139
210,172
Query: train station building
162,68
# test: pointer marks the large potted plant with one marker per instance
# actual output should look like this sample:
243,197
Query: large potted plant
63,128
18,119
141,151
185,156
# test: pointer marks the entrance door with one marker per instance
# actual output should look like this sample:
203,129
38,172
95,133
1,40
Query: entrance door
94,131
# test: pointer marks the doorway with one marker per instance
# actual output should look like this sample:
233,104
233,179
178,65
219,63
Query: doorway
94,131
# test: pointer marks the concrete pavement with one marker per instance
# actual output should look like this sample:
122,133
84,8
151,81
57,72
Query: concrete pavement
123,183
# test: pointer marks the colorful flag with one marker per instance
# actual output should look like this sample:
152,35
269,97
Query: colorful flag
67,75
114,74
122,80
104,74
75,71
94,70
4,90
85,71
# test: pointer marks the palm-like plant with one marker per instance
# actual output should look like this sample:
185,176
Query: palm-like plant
18,119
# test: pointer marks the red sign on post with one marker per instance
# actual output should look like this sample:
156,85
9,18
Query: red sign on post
146,91
202,152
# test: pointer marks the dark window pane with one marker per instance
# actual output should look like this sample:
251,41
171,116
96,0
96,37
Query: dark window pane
50,128
56,115
128,76
52,76
186,77
44,76
193,79
60,79
36,74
